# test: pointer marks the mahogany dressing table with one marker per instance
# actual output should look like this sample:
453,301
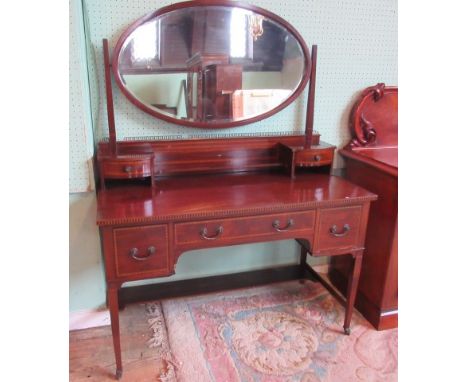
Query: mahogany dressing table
161,198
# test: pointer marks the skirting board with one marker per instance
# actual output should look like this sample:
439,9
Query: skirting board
83,319
91,318
321,268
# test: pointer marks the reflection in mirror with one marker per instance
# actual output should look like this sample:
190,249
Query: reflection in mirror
211,64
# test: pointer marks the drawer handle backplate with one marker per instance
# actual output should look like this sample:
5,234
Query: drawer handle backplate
334,230
149,251
276,226
129,168
204,233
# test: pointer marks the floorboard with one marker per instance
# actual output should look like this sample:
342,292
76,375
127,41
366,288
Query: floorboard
92,355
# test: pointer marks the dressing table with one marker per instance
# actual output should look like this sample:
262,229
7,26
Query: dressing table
161,198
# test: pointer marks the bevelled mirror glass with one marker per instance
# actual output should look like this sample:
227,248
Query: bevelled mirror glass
211,65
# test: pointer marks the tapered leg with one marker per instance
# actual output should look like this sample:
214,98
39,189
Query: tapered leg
113,301
353,281
303,262
303,256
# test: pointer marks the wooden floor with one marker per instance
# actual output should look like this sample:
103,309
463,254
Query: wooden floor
92,356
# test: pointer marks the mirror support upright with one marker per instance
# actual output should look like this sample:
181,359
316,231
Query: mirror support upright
311,100
109,98
313,153
111,164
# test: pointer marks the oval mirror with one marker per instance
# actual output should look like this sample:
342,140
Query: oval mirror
212,64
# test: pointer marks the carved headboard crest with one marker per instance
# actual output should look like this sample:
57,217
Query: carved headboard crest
369,109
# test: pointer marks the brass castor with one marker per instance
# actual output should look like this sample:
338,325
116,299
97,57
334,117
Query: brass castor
118,374
347,331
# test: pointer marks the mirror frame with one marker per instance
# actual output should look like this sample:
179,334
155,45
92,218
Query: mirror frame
213,124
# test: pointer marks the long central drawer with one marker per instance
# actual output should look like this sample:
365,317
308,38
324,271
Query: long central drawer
246,229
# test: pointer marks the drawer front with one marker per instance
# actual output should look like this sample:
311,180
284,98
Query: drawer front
141,250
314,157
338,228
248,229
130,168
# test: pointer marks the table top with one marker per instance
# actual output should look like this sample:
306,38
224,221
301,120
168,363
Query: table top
211,196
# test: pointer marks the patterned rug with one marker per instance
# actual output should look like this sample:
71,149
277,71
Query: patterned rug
281,332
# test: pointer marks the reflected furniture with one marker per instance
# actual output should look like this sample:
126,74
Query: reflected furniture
160,198
372,162
216,82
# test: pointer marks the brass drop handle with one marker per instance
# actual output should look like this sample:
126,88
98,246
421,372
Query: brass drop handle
276,226
149,251
334,230
204,233
317,158
128,168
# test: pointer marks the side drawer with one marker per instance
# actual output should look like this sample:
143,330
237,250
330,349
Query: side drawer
337,228
314,157
246,229
141,250
122,168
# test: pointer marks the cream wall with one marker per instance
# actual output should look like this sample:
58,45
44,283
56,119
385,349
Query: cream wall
86,280
357,47
87,288
81,139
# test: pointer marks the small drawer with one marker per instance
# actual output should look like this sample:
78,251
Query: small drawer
141,250
337,228
314,157
249,229
126,167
